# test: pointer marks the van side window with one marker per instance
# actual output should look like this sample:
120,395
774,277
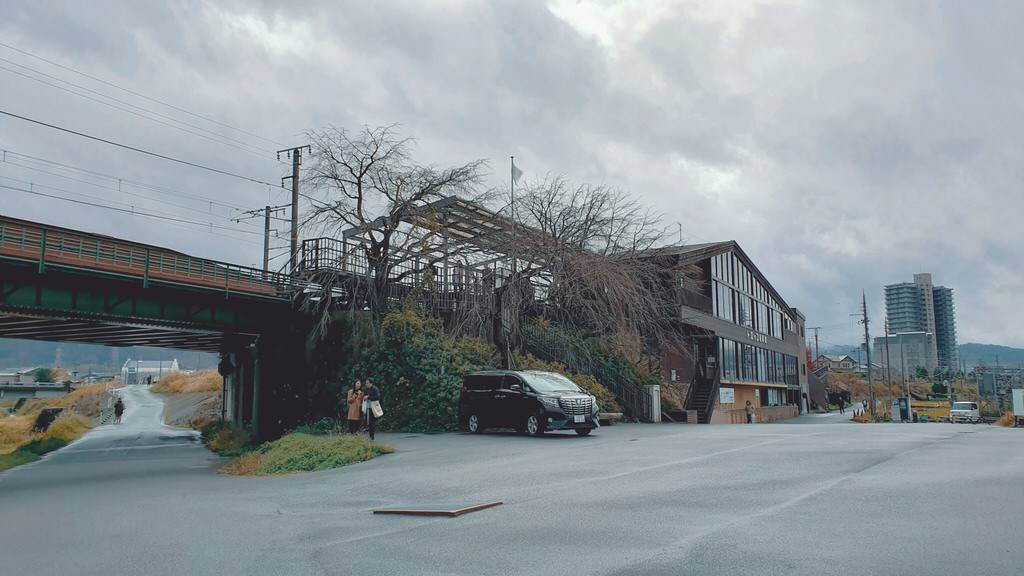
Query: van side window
480,382
510,381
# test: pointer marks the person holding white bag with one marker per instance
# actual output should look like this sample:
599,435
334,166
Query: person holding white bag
374,411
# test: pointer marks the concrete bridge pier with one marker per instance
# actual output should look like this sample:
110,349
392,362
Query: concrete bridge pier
268,391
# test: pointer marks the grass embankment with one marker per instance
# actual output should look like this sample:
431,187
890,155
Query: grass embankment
319,446
19,444
182,383
305,453
197,398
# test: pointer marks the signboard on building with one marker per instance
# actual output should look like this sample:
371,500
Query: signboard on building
726,396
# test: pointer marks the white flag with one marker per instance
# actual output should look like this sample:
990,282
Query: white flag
516,173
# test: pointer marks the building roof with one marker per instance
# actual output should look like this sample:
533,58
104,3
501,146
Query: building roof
18,371
694,253
152,364
837,358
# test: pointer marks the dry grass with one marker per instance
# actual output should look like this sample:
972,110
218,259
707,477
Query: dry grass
85,400
68,427
79,407
19,445
1008,420
182,383
15,432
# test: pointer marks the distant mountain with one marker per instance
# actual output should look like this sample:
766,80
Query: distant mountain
990,355
90,358
972,354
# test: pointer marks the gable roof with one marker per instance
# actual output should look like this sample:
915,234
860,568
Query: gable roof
694,253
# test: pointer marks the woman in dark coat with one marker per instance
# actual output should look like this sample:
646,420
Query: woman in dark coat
372,395
118,411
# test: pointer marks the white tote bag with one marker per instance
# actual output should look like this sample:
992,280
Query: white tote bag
377,410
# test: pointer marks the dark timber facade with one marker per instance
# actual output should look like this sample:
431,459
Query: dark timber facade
744,341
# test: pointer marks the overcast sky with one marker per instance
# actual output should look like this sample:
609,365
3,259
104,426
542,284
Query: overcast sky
843,145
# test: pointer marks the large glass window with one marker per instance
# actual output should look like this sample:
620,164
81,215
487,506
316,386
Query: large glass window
747,363
738,297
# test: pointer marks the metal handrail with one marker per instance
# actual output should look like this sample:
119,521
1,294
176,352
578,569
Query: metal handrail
83,251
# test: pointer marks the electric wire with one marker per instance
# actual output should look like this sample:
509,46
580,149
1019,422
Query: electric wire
117,190
212,136
135,212
4,159
154,100
134,149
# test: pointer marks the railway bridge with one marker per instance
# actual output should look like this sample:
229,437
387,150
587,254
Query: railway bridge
65,285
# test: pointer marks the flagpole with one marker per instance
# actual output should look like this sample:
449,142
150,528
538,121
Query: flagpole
512,189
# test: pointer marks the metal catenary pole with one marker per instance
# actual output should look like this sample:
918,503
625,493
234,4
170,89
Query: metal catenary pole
296,156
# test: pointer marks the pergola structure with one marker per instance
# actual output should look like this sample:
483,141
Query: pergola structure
465,246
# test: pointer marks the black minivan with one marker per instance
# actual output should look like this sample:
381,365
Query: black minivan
531,401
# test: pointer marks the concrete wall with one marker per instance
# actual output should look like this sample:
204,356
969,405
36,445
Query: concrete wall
766,414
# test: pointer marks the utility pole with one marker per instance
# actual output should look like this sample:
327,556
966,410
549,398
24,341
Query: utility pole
888,361
867,348
296,155
267,211
815,328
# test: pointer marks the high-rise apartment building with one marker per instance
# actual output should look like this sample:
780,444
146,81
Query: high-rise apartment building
920,307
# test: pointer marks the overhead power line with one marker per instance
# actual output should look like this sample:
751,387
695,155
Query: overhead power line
143,96
162,217
134,149
170,122
10,157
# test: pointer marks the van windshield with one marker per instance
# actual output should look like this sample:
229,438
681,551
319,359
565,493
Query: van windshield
549,382
963,406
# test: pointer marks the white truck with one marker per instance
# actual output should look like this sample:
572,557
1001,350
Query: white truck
965,412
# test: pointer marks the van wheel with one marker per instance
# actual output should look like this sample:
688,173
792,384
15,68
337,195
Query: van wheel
532,426
474,424
584,431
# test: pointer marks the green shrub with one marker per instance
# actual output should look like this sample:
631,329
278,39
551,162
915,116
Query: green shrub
323,427
44,445
8,461
298,452
225,438
419,371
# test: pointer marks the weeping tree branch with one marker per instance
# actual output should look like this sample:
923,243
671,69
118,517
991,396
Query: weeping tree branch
366,185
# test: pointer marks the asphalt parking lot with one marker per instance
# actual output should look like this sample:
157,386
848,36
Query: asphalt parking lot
829,498
817,495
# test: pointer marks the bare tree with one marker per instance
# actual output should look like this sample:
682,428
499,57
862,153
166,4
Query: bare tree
366,187
591,250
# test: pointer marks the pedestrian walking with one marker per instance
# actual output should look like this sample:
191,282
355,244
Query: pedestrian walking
118,411
750,412
374,410
842,406
355,407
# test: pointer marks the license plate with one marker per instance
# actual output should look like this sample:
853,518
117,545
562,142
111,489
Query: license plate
579,419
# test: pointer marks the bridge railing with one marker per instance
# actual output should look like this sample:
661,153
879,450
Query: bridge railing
50,246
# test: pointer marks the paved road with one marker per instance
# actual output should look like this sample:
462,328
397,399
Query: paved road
823,497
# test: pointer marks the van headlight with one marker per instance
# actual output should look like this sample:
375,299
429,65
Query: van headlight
596,407
549,401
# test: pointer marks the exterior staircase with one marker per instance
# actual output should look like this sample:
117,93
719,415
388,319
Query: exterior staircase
703,392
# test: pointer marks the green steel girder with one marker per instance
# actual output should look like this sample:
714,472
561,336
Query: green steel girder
104,303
